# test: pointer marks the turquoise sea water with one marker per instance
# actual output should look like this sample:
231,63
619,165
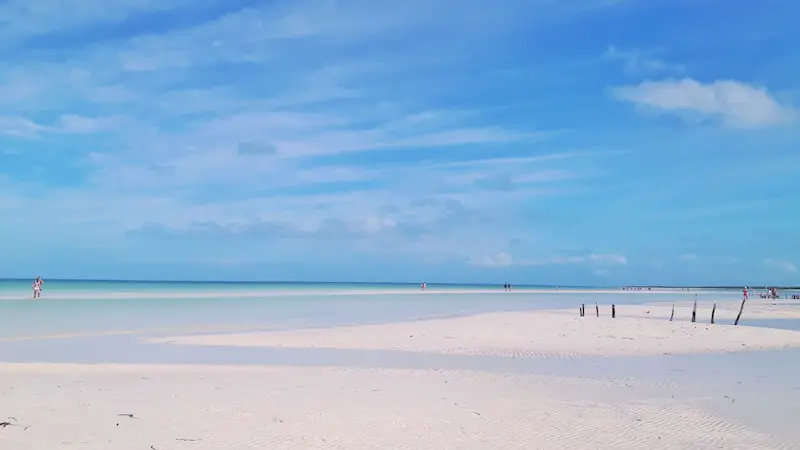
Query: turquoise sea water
91,307
91,288
20,288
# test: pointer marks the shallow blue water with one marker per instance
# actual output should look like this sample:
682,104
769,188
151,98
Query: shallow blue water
154,308
783,324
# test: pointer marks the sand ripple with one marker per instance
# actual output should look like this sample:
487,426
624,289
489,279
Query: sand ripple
307,408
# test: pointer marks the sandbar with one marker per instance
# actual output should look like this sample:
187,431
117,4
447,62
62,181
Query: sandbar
636,330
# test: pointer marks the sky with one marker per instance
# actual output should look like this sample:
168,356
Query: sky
570,142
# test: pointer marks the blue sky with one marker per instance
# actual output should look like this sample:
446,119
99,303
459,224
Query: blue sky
566,142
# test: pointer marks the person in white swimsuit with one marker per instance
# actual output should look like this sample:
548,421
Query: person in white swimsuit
37,287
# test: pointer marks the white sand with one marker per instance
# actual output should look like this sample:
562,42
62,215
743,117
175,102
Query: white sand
527,334
231,408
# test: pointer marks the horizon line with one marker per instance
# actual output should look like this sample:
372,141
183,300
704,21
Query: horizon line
410,283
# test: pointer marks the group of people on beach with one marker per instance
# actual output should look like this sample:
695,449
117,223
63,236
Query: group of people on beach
771,293
37,287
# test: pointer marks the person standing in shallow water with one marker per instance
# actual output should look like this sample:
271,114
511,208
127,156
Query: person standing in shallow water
37,287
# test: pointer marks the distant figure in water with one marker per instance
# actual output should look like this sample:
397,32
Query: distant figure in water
744,291
37,287
423,286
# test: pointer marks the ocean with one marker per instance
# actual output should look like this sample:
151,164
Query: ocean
91,307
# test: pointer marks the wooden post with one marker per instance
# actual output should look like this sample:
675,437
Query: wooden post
694,309
583,309
713,310
597,309
613,311
739,316
672,316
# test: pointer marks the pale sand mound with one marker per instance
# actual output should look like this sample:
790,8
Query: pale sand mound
181,408
522,334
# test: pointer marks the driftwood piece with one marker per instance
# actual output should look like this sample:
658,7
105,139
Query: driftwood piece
613,311
713,311
694,310
672,316
739,316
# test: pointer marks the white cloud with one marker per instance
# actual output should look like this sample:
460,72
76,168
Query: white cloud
504,259
76,124
637,62
23,18
501,259
735,103
785,266
189,139
608,258
19,127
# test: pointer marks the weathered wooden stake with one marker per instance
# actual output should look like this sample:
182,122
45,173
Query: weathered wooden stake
694,309
597,309
739,316
672,316
583,309
613,311
713,310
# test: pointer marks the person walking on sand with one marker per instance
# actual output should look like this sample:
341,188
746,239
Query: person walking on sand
37,287
744,291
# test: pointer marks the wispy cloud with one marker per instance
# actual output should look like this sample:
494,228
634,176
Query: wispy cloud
785,266
20,127
734,103
637,62
503,259
410,132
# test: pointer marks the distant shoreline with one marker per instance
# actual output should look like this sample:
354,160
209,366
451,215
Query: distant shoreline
387,283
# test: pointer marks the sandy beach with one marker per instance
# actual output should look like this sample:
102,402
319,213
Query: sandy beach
192,407
177,407
637,330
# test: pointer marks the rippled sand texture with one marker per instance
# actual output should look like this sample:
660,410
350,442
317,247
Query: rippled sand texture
527,334
177,408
